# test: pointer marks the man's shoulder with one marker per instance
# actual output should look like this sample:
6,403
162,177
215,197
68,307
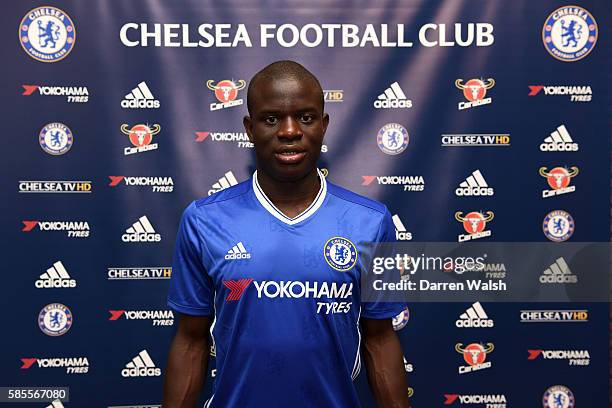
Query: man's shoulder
355,199
225,195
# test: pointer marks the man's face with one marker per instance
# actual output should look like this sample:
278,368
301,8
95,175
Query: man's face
287,125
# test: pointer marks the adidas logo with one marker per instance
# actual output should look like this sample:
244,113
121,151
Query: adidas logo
559,141
474,316
141,366
141,231
140,98
393,97
224,182
56,404
56,277
558,272
238,251
474,185
400,231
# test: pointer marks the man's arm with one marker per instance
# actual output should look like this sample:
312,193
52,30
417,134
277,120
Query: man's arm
384,363
187,362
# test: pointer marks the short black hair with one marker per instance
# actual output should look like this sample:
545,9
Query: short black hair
283,69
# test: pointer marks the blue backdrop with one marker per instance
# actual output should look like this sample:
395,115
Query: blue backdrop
97,66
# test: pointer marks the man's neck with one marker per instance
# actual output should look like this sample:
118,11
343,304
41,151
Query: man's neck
290,197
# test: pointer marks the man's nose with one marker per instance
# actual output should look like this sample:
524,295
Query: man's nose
290,129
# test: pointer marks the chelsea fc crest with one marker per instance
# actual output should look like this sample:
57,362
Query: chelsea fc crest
393,138
569,33
47,34
340,253
558,396
55,319
56,138
558,226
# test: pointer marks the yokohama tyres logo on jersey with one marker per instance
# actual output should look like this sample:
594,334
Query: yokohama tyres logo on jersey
327,292
236,288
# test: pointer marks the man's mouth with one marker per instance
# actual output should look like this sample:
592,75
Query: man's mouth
290,156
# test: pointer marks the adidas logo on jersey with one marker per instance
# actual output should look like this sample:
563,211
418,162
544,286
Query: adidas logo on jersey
400,230
56,277
141,231
474,316
474,185
224,182
559,141
140,98
558,272
238,251
141,366
393,97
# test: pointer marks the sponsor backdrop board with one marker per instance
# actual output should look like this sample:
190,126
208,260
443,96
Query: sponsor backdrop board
487,120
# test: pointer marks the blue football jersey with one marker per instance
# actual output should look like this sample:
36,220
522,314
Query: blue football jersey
285,292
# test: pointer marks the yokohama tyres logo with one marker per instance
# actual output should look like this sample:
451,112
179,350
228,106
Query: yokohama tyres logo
28,225
73,365
491,400
237,288
27,363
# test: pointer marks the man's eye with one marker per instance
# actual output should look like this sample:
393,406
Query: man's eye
307,118
271,120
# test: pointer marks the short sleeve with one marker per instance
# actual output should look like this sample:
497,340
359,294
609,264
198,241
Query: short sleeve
191,290
383,309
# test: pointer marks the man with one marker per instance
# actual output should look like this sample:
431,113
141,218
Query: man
275,261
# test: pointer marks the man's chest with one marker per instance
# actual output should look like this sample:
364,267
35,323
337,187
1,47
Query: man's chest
317,268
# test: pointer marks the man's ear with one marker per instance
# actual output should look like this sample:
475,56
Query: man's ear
248,126
325,122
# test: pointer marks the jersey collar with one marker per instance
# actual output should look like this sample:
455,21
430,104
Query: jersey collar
278,214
